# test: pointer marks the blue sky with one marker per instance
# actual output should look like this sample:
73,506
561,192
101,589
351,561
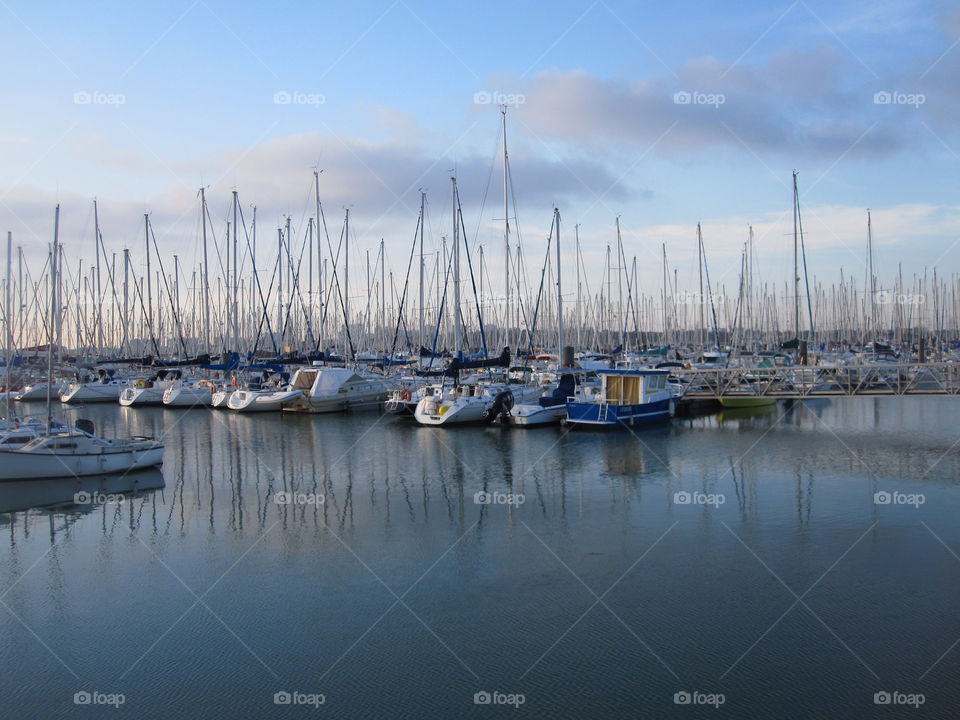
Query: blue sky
598,132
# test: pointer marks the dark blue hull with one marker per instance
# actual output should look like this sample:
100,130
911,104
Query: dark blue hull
606,415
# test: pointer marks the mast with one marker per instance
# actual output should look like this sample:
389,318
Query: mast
556,217
9,318
146,235
233,287
96,306
456,270
620,318
346,286
316,186
422,200
700,268
54,253
796,272
383,295
873,286
506,229
126,298
206,273
576,231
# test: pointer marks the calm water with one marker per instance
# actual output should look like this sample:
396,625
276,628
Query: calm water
384,587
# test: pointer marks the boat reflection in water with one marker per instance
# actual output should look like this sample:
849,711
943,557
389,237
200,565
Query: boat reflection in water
83,494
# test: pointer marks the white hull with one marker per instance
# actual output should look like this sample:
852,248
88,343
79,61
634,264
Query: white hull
221,398
93,392
187,396
39,391
142,396
330,390
261,400
18,465
534,415
461,411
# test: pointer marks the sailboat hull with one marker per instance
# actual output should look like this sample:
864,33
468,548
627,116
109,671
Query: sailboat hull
19,465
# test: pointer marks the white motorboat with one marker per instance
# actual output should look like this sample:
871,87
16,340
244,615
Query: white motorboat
549,409
336,389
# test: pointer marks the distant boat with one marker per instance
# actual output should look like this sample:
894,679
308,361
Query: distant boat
626,398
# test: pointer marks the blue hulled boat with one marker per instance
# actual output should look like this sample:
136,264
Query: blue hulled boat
626,398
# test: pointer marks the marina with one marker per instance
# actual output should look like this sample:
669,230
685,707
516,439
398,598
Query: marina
431,361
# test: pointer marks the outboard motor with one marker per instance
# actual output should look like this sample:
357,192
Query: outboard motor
502,405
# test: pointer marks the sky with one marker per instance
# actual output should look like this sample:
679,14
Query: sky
661,114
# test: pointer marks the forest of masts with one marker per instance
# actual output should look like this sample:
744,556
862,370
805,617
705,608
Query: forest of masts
312,296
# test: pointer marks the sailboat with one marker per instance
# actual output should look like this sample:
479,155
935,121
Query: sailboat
74,451
550,408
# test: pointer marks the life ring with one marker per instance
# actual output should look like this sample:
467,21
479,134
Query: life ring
405,395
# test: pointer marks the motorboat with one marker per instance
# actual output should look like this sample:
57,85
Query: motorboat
626,398
336,389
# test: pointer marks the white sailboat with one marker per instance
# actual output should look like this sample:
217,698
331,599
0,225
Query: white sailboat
75,451
105,389
189,394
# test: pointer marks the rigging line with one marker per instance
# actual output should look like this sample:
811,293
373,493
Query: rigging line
473,282
263,304
166,285
403,298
